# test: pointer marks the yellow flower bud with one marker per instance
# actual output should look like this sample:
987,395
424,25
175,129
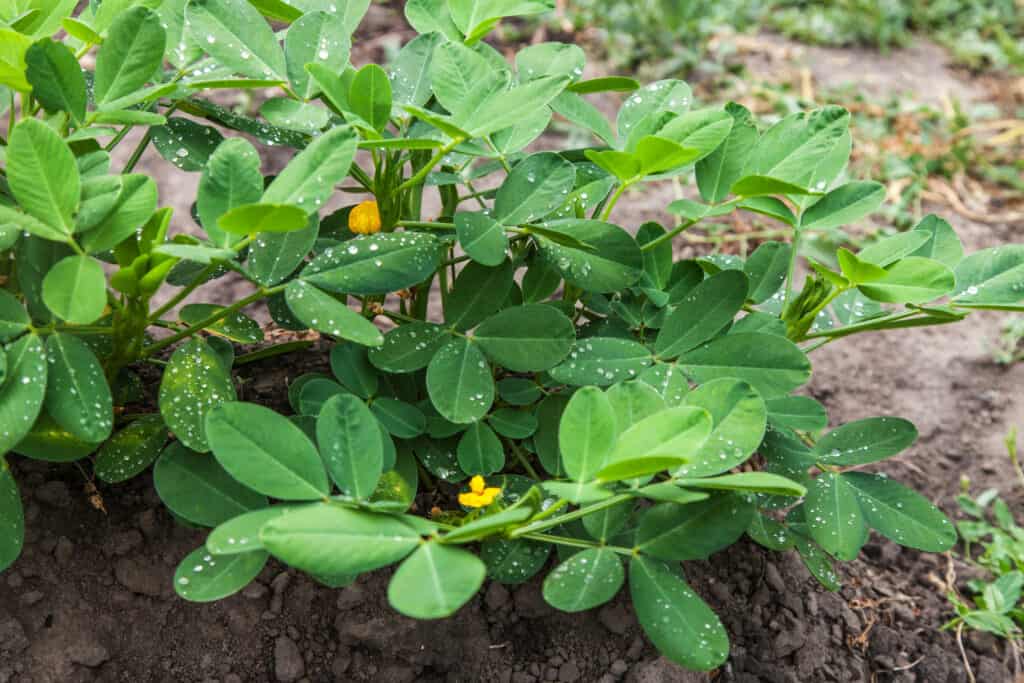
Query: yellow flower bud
479,494
364,219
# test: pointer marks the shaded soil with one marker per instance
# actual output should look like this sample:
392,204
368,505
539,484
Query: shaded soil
91,598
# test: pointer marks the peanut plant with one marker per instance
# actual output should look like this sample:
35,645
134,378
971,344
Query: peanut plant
577,394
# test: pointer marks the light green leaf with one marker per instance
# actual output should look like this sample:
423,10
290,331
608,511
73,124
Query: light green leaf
480,451
843,205
205,577
536,186
234,33
587,433
738,417
42,174
324,313
435,581
75,289
610,261
717,172
309,179
376,264
369,96
56,78
315,38
602,361
131,54
249,219
585,580
327,539
482,238
794,148
991,278
694,531
668,438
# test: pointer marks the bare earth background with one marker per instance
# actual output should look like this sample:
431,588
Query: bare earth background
91,597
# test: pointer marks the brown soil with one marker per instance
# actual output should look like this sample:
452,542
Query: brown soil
91,597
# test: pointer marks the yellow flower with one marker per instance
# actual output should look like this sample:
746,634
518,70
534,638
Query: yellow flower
364,219
479,494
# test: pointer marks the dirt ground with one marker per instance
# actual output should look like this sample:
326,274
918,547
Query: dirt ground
91,597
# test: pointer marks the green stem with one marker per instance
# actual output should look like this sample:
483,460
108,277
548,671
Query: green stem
425,225
577,543
791,271
272,351
199,279
667,236
423,172
614,200
544,525
521,457
210,319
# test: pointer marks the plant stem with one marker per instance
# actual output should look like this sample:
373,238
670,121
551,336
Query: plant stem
546,524
667,236
577,543
423,172
521,457
272,351
210,319
791,271
425,225
613,201
199,279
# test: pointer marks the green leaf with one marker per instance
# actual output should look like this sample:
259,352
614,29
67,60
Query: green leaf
350,365
864,441
766,270
398,418
818,563
275,256
991,278
794,148
315,38
194,383
528,338
237,326
50,442
324,313
369,96
901,514
610,262
471,15
195,487
834,517
376,264
633,401
351,445
717,172
131,54
843,205
42,174
131,450
135,205
75,289
770,364
482,238
185,143
748,482
309,179
23,391
668,438
602,361
478,291
584,581
753,186
459,382
797,412
943,245
410,70
738,418
668,95
327,539
77,395
513,561
205,577
513,423
409,347
587,433
435,581
266,452
480,451
577,110
856,270
694,531
536,186
703,313
241,534
12,517
549,416
56,78
678,622
234,34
